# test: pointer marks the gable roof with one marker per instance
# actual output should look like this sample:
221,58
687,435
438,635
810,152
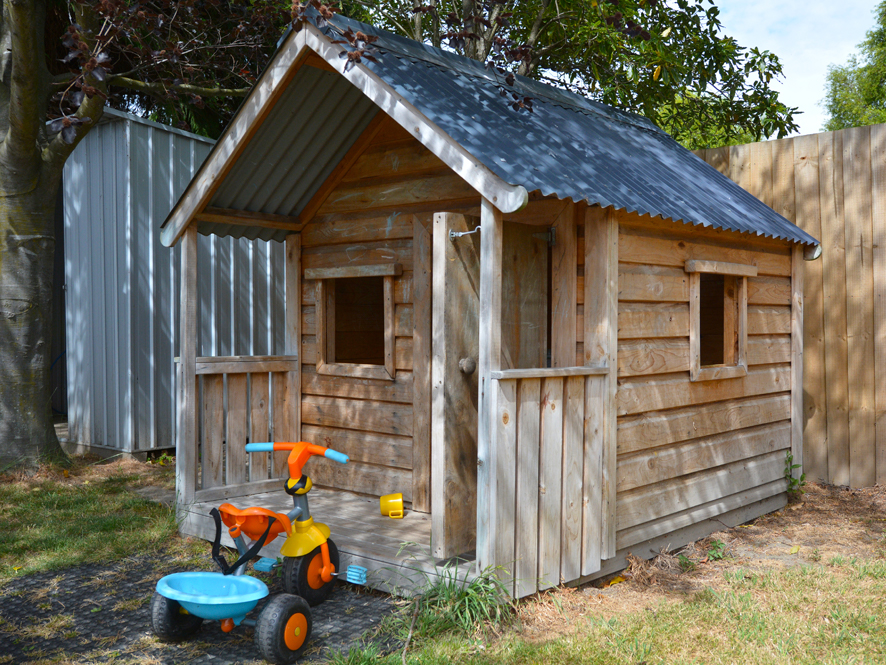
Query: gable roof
568,147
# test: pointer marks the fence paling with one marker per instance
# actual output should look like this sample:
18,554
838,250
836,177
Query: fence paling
543,416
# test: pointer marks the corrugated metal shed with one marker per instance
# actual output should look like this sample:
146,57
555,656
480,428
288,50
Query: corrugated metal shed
569,147
122,285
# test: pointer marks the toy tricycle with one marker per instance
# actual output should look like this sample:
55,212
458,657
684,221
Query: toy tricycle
310,566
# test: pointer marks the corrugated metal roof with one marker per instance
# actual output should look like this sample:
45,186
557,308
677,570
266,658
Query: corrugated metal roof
305,135
569,147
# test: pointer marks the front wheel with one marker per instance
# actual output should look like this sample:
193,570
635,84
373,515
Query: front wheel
170,621
283,628
301,575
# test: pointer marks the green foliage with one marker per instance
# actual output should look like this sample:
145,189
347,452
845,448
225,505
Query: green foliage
686,564
717,550
795,485
669,61
855,93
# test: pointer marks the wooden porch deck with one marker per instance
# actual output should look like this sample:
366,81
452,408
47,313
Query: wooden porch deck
396,553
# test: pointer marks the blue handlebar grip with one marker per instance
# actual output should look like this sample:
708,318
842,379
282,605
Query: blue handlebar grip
259,447
336,456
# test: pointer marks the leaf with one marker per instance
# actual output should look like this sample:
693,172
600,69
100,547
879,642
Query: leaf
656,73
667,31
616,580
795,549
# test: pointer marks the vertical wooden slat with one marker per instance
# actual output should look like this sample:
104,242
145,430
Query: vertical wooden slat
213,430
281,411
571,504
505,477
596,389
453,430
526,527
186,439
834,278
797,358
859,303
421,364
489,360
600,320
730,319
808,218
783,197
258,423
550,482
235,431
759,173
741,298
878,210
564,280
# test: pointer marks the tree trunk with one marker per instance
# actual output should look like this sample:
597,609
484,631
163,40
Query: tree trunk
27,246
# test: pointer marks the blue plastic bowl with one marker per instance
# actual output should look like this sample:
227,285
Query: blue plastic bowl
214,596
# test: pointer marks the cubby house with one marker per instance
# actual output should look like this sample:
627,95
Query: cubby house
559,334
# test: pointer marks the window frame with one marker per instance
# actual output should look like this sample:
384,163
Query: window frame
740,272
325,303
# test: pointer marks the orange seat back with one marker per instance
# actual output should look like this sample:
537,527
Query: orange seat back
253,522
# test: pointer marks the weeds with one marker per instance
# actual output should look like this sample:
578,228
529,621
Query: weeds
795,485
717,550
686,564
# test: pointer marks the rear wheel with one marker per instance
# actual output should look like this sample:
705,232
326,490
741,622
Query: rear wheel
283,628
301,575
170,621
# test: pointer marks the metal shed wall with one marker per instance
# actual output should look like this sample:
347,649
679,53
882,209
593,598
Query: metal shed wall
122,285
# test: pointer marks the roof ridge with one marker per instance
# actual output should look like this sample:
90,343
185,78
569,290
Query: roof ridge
428,54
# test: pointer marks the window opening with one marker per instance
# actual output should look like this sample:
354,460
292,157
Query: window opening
357,317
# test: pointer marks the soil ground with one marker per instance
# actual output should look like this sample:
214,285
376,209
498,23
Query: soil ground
826,523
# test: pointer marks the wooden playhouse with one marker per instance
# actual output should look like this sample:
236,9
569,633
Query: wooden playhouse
559,334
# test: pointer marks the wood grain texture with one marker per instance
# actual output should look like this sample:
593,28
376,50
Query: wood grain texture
379,449
281,415
666,462
421,361
878,216
648,430
640,320
859,304
456,304
489,360
213,458
186,430
550,483
650,283
399,390
259,423
572,474
526,519
808,218
797,361
364,415
769,320
834,280
563,289
648,247
769,291
236,429
666,391
655,356
394,226
720,267
654,502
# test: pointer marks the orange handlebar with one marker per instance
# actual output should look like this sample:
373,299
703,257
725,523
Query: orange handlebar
300,453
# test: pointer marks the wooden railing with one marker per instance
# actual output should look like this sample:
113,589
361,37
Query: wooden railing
548,482
242,399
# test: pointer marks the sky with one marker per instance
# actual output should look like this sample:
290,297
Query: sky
807,36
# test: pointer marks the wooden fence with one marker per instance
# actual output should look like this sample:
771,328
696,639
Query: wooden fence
833,186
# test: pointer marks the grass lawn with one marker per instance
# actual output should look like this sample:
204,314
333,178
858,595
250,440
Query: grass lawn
805,585
56,518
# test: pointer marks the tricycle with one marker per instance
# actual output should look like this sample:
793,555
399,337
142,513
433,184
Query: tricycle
182,601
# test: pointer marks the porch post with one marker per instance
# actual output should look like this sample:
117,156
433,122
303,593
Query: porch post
489,360
186,429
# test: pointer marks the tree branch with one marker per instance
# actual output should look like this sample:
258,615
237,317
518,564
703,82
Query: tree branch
183,88
26,105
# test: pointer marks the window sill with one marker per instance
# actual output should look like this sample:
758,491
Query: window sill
355,371
719,372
